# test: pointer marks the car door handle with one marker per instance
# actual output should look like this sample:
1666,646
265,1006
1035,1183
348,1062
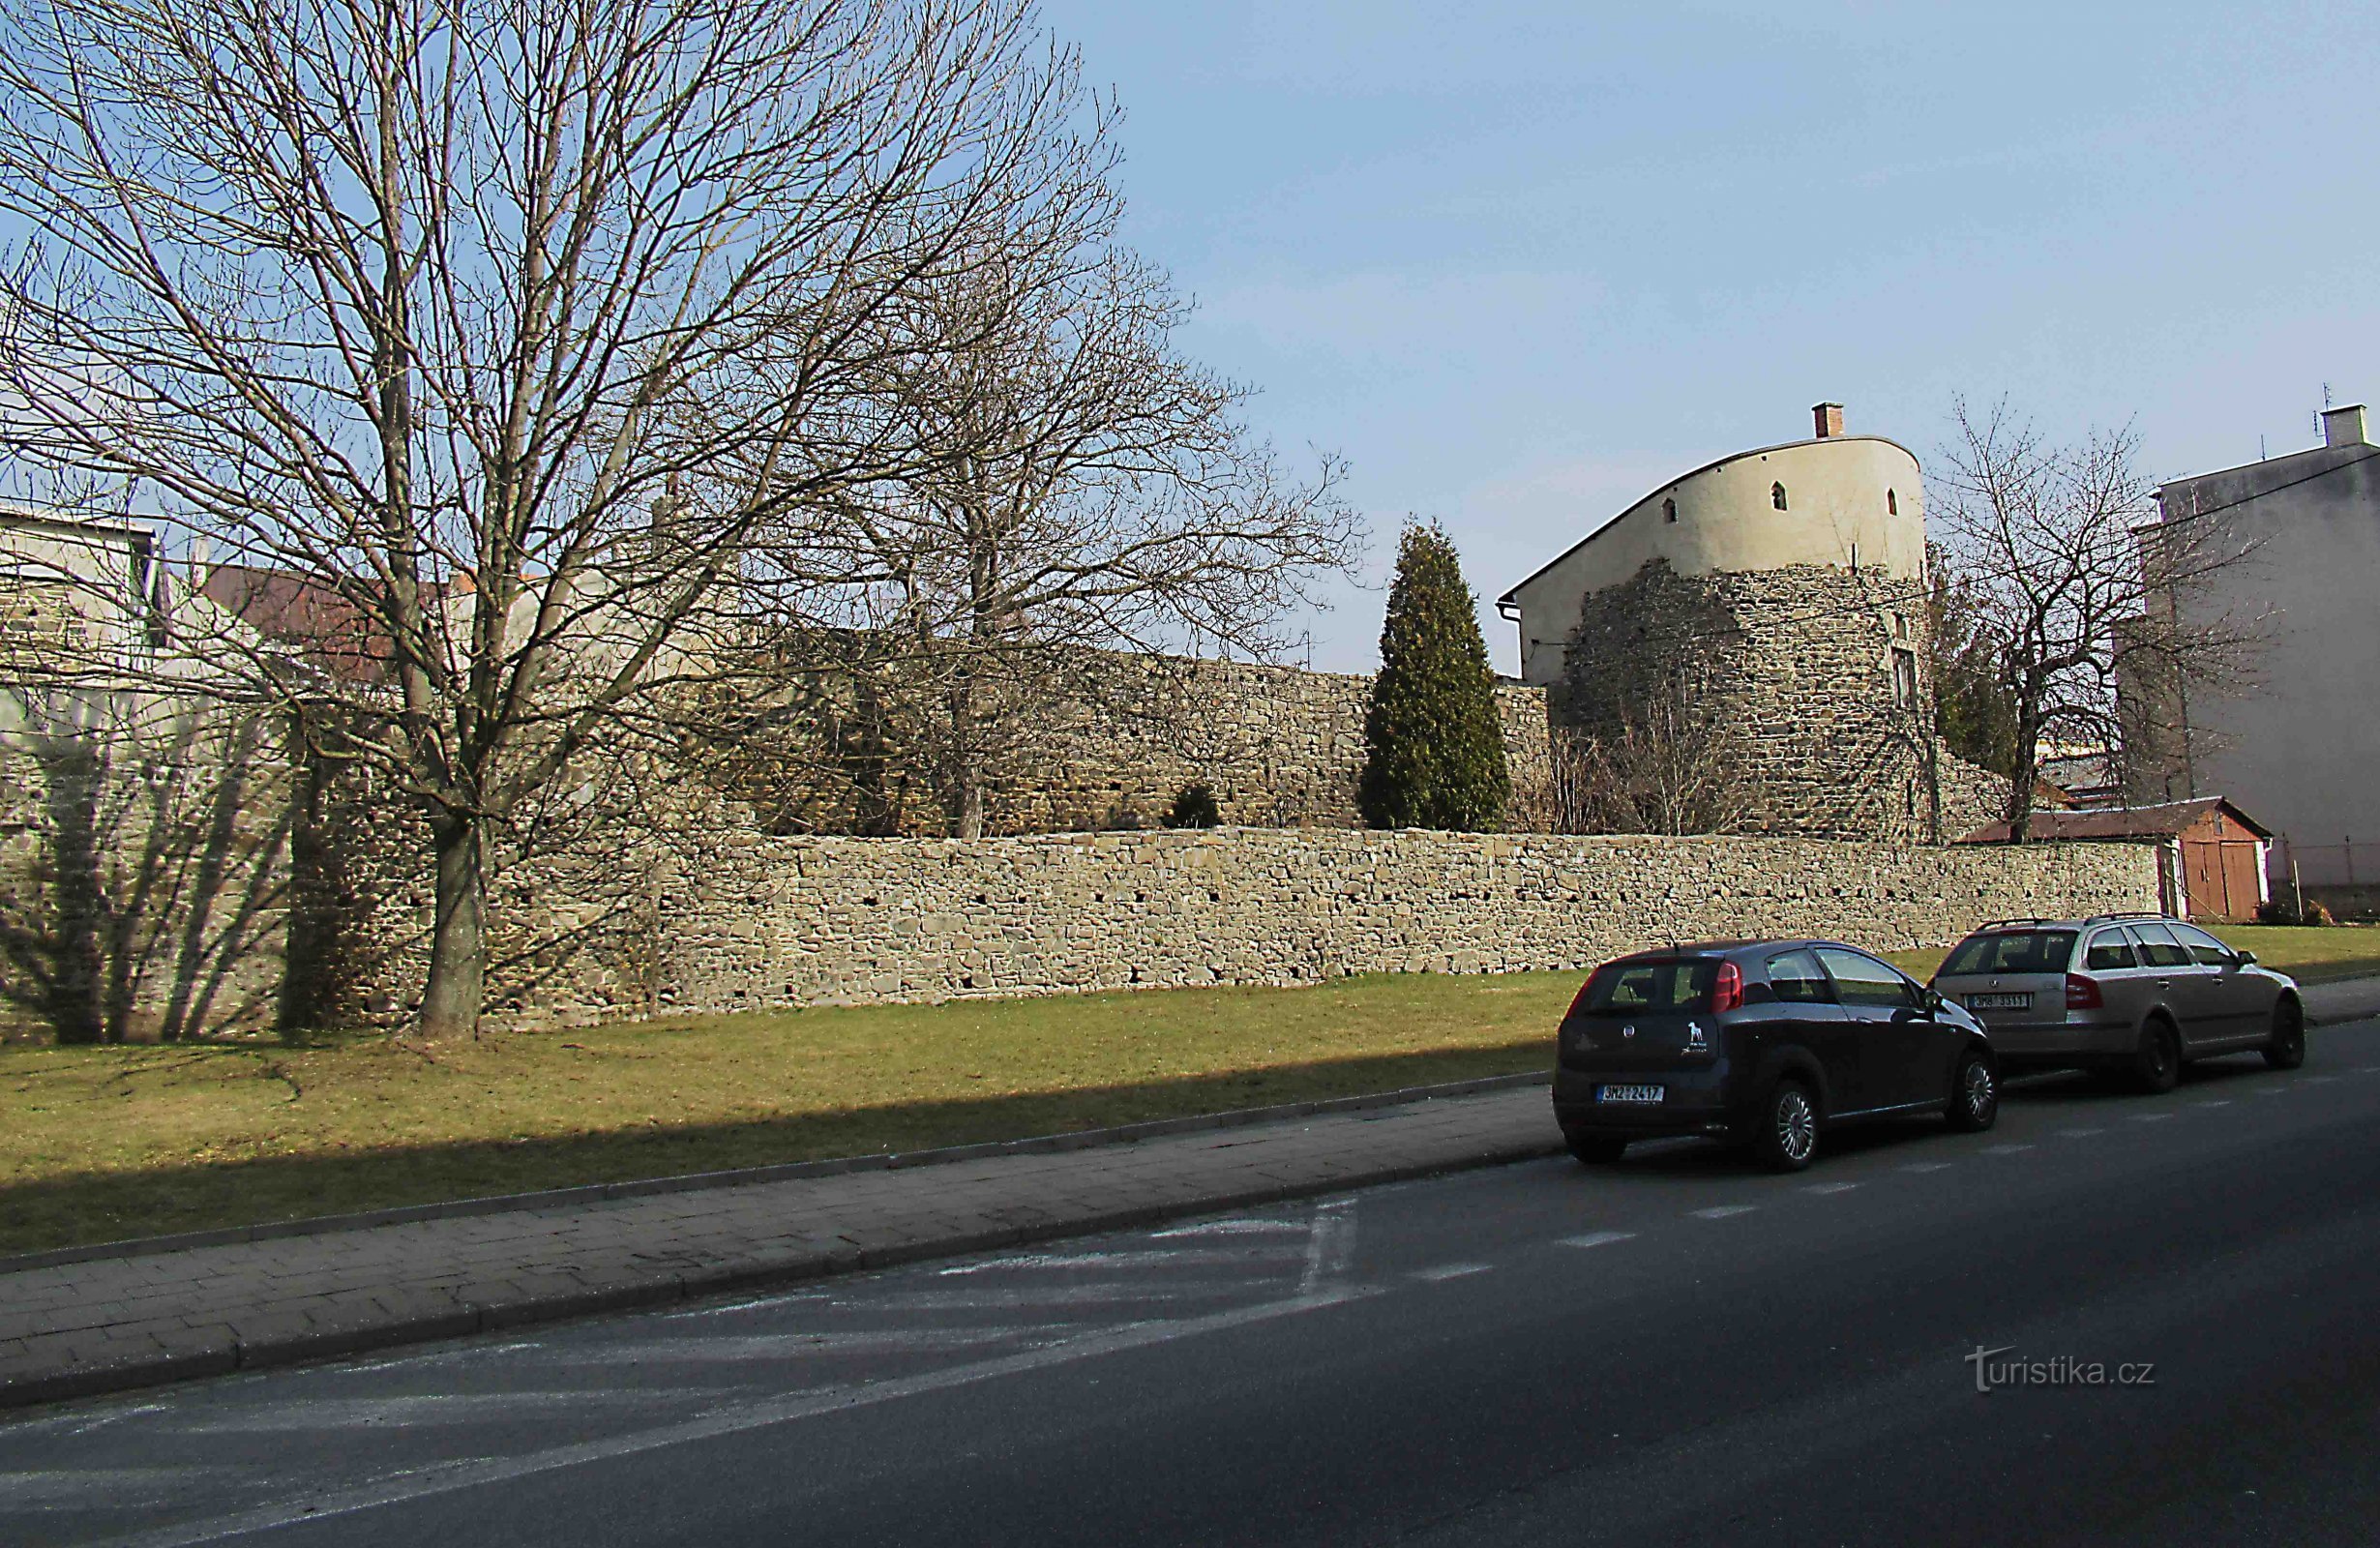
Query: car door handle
2165,983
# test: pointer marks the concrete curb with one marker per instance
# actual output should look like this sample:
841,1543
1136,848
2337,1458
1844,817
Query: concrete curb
636,1188
229,1353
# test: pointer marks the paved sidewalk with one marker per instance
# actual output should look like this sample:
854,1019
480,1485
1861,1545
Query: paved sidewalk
2350,999
106,1323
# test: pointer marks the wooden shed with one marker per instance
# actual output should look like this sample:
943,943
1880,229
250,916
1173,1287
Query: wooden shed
2212,853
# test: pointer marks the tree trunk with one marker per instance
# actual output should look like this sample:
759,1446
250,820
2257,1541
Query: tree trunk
967,759
458,943
2021,786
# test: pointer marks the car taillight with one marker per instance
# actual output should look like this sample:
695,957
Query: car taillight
2082,993
1727,993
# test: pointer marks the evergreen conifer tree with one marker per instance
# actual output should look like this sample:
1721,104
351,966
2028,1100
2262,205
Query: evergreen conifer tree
1434,747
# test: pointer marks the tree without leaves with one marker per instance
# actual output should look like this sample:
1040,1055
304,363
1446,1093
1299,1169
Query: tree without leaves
1669,763
502,326
1434,744
1099,494
2071,583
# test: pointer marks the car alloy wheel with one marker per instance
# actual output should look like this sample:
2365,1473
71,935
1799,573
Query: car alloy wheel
2285,1049
1789,1133
1975,1094
2159,1065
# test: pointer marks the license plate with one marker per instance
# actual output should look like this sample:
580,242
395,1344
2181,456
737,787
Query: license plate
1628,1094
1998,1001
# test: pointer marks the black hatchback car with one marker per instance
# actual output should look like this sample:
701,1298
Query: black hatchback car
1763,1043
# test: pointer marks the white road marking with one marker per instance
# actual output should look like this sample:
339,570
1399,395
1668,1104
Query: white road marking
1830,1187
2078,1134
1118,1259
2317,1080
1235,1228
734,1420
2271,1091
1597,1239
1720,1211
1329,1245
2149,1117
70,1488
466,1352
2004,1149
796,1346
74,1424
988,1298
2367,1069
1927,1165
2218,1101
440,1408
761,1304
1451,1271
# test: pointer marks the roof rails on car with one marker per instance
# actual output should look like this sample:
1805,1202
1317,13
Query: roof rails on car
2132,913
2004,924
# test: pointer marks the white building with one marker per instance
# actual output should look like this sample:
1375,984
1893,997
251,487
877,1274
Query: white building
2299,749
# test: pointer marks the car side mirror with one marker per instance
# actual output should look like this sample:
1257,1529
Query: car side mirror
2244,959
1934,1000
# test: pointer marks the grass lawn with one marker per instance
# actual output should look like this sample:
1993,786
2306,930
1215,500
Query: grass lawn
98,1143
104,1142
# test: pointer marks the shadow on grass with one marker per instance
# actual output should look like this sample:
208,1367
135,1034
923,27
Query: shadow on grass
74,1211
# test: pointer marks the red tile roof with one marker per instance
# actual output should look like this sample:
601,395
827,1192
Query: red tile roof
2163,820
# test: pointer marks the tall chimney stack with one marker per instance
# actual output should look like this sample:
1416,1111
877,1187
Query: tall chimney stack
2343,426
1829,419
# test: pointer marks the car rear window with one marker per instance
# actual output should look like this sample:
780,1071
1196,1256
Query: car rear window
1634,988
2012,951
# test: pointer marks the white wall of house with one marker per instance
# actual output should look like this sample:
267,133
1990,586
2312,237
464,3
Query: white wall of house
2301,749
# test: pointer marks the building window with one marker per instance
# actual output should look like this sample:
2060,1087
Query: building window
1892,503
1900,627
1776,495
1905,677
1669,510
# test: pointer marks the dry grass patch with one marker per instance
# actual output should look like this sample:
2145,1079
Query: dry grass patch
100,1144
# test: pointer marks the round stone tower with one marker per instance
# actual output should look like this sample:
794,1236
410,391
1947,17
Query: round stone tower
1765,617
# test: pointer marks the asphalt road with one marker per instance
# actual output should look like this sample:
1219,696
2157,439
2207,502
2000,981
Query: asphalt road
1677,1349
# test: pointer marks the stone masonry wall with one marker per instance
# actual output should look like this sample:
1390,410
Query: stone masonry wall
144,867
773,921
1798,663
1279,746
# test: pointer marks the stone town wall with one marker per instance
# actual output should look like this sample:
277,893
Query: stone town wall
782,921
1798,663
1279,746
145,868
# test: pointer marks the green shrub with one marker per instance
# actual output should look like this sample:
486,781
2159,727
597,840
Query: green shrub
1434,746
2283,911
1195,808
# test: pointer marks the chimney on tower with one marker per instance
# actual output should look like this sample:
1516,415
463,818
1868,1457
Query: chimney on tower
1829,419
2343,426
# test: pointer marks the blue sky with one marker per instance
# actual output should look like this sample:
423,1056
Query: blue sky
1520,262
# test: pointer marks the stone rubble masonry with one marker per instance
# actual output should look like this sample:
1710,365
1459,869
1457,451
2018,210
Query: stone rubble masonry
1279,746
1799,663
145,875
213,884
786,921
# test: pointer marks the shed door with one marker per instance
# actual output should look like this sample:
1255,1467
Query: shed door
2220,877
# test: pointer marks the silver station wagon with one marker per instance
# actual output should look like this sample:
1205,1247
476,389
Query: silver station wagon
2130,995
